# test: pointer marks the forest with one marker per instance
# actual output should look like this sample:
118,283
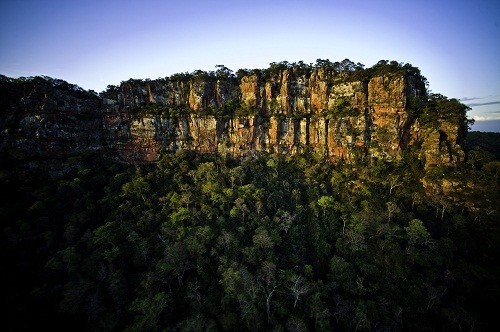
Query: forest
209,242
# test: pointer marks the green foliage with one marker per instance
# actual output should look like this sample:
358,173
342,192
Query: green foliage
247,108
275,69
223,73
55,83
417,233
385,67
180,77
206,242
439,108
341,108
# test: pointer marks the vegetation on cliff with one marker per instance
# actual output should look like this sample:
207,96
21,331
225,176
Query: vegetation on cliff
341,109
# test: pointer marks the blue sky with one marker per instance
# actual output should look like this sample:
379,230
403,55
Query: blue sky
456,44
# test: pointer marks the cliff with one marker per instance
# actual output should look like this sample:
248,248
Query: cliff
46,118
340,110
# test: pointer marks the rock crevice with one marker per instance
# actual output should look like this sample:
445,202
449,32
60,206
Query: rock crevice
286,112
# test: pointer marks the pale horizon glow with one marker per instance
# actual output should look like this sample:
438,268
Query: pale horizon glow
97,43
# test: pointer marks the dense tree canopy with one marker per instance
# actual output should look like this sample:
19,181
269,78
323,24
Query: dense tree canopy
208,242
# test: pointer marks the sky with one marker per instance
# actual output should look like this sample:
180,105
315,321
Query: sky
93,43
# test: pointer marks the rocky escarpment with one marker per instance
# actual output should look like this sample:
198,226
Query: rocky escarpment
340,110
47,118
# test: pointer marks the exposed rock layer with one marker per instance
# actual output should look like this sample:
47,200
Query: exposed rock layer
287,112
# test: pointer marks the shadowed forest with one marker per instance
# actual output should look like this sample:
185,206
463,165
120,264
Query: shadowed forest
210,242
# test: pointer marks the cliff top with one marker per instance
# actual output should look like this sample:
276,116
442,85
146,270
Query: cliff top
337,72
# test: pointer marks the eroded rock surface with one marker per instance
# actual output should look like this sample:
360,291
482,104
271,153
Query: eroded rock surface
287,111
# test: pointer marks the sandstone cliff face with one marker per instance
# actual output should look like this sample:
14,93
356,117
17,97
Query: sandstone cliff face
441,146
286,112
40,118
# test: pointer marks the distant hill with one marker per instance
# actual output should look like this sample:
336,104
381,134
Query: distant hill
485,141
487,126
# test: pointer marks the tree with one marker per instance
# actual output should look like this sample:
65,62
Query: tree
392,209
222,72
261,239
268,284
284,219
394,182
326,202
417,233
150,311
298,287
138,187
